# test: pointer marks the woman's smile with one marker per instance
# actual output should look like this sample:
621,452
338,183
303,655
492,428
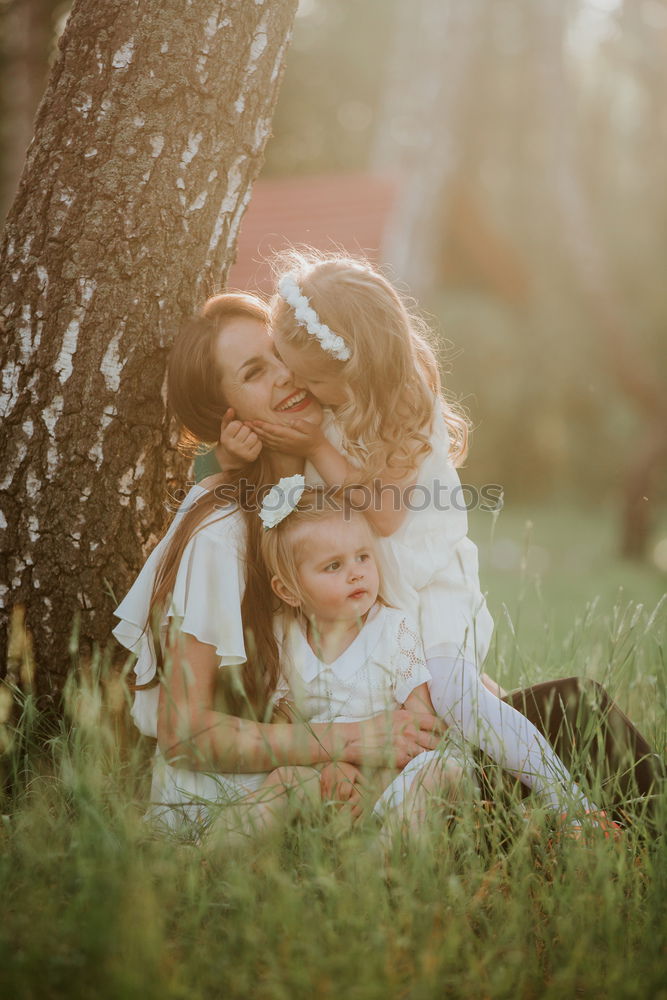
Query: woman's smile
296,402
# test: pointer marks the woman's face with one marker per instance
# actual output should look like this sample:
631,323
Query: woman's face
255,382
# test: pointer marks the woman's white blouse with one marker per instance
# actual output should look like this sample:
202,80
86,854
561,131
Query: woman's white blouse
377,672
206,604
206,601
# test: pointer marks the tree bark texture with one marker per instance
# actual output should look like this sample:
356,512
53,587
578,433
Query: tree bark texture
147,142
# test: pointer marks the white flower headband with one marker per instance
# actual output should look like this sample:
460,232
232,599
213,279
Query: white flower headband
330,342
282,499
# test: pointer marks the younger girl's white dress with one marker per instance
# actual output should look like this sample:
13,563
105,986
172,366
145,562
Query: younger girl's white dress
377,672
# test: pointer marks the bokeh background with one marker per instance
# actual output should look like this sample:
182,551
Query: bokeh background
505,160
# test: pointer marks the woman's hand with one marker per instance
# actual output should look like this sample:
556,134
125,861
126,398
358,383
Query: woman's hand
297,437
238,444
391,739
342,783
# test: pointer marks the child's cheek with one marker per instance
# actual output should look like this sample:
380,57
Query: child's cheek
319,395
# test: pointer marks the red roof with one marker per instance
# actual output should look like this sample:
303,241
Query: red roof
335,211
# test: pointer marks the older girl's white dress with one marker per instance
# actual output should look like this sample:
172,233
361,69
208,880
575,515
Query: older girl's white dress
429,565
206,604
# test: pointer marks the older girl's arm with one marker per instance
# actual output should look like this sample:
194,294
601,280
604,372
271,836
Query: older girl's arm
382,503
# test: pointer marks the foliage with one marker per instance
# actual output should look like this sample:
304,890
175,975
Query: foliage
328,104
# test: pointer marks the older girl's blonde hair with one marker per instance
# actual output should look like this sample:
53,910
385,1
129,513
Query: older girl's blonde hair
392,374
280,545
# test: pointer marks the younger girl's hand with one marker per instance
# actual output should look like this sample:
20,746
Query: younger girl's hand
238,444
341,782
297,437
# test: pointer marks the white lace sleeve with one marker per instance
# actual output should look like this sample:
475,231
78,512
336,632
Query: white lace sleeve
409,661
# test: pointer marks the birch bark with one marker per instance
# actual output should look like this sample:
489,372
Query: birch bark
147,142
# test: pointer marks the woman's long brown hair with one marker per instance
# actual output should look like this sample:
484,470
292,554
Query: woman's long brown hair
196,400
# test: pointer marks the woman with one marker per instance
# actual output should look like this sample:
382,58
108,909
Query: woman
200,611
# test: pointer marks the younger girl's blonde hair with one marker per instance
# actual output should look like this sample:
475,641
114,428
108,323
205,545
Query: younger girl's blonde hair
392,374
280,545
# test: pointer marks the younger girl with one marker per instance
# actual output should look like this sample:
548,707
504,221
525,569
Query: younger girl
351,341
346,655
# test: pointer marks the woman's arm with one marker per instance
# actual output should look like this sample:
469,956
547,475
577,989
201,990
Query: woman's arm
192,733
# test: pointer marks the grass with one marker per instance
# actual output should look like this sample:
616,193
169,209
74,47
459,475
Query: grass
546,565
96,905
565,603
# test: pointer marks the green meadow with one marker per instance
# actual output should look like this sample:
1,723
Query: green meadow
95,904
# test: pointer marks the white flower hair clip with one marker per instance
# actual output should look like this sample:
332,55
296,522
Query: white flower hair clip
281,500
306,316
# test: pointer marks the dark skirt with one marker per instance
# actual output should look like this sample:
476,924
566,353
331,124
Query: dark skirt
604,751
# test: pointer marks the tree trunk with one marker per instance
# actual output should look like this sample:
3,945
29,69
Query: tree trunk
147,143
640,489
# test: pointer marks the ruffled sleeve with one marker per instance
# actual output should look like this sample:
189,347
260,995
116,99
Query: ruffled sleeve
206,602
409,662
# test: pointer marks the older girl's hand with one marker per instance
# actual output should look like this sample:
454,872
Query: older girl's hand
296,437
238,444
391,739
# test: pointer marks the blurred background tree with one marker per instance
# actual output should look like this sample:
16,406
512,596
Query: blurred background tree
528,140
